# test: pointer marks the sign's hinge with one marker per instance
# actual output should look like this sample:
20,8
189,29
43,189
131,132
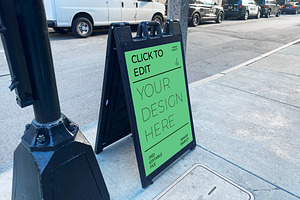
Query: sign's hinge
14,83
2,28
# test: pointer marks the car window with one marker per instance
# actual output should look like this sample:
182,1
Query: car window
260,2
231,1
208,2
196,2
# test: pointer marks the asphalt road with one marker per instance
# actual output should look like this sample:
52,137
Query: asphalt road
79,67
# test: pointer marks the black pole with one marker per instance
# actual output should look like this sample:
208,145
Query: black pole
32,23
54,161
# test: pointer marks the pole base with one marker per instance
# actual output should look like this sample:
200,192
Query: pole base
54,168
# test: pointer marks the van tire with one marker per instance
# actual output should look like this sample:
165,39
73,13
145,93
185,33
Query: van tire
157,18
82,27
278,14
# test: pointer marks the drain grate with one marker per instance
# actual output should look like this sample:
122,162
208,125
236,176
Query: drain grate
202,183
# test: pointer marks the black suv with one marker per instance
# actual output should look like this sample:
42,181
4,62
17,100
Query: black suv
269,7
204,10
242,9
291,7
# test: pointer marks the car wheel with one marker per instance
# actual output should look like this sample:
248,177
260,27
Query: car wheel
258,15
82,27
196,19
246,15
220,17
158,19
268,14
60,30
278,14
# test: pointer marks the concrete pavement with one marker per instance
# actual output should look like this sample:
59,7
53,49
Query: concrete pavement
247,130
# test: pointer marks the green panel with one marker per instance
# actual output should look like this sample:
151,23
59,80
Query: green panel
158,86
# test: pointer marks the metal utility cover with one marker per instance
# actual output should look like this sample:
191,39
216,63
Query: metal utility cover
201,183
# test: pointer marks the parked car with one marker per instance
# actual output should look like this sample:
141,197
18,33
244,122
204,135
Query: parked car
204,10
269,7
82,16
242,9
291,7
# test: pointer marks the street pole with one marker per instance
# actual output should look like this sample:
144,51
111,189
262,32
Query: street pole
54,160
178,9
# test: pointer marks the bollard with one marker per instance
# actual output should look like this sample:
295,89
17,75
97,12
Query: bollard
54,160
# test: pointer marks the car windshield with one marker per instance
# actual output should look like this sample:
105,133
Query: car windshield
259,2
231,2
208,2
291,2
194,1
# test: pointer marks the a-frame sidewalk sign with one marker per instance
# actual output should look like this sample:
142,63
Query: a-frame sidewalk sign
145,93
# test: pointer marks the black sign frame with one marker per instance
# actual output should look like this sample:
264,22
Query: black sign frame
120,41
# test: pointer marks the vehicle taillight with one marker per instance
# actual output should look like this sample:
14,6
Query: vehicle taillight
240,6
265,6
282,6
293,6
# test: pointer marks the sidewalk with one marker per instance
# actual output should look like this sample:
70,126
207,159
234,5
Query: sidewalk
247,123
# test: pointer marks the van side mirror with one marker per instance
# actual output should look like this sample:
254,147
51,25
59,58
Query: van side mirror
215,4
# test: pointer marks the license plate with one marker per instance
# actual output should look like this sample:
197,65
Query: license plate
229,7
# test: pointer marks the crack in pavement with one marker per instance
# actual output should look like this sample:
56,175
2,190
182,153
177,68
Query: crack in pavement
248,171
267,190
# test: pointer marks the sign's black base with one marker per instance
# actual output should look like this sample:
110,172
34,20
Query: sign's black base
55,161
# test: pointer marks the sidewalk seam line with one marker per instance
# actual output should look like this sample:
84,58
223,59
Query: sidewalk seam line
4,75
249,172
258,95
244,64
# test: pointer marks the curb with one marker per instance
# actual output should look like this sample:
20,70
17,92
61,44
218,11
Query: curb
244,64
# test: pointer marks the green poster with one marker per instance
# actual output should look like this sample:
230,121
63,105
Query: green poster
158,89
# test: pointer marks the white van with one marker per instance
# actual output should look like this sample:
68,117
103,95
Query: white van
81,16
